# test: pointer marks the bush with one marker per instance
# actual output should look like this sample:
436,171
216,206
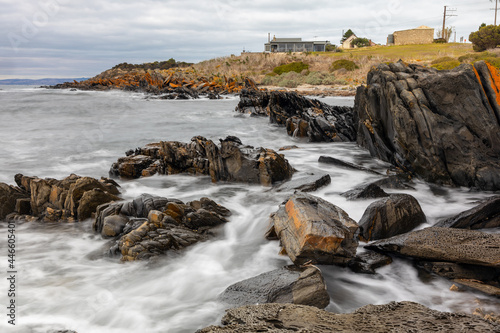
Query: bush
487,37
442,59
318,78
343,63
297,67
440,41
360,42
446,64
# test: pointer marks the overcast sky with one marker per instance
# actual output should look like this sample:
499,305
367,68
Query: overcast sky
81,38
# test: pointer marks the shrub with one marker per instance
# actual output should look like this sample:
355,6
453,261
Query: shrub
343,63
442,59
297,67
487,37
360,42
318,78
446,64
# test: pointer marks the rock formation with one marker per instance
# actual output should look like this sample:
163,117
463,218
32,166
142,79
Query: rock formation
73,198
312,229
149,226
303,117
289,284
484,215
443,126
231,161
393,317
393,215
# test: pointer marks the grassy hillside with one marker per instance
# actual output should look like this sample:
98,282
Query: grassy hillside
259,66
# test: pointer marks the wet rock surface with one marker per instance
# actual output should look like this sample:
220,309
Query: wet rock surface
369,191
484,215
367,262
440,125
229,161
392,317
303,117
149,226
390,216
344,164
289,284
74,198
312,229
445,244
306,183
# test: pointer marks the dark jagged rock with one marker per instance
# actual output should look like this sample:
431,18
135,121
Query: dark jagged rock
150,226
445,244
70,199
9,198
394,317
367,262
369,191
344,164
452,271
443,126
231,161
394,215
312,229
285,285
305,184
400,181
485,215
303,117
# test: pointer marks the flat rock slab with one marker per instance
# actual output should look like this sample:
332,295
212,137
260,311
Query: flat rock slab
305,184
285,285
445,244
484,215
392,317
312,229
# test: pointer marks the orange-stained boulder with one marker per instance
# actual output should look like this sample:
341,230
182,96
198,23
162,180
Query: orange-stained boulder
312,229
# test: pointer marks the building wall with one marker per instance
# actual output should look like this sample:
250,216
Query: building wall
414,36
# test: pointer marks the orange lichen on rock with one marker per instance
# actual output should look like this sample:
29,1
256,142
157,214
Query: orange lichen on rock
495,77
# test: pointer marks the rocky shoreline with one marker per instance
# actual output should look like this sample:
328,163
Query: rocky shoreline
439,126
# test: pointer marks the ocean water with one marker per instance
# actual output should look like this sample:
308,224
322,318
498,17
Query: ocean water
53,133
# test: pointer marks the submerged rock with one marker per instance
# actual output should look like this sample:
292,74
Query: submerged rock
303,117
392,317
443,126
344,164
484,215
394,215
305,184
150,226
231,161
367,262
312,229
289,284
73,198
369,191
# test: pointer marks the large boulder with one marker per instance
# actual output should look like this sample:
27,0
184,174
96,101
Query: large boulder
390,216
70,199
484,215
312,229
231,161
289,284
445,244
149,226
392,317
443,126
303,117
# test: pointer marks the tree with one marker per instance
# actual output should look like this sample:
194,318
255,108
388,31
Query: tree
360,42
487,37
347,34
447,34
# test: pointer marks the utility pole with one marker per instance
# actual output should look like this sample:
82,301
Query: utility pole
445,15
496,11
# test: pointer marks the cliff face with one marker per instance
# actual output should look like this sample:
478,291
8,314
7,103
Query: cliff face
443,126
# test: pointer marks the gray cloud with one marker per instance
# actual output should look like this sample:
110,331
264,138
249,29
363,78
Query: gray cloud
83,38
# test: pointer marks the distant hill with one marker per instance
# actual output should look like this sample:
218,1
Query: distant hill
39,82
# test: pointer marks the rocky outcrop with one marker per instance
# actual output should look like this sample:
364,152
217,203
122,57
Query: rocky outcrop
231,161
289,284
306,183
47,199
484,215
443,126
392,317
11,199
445,244
391,216
368,261
303,117
312,229
150,226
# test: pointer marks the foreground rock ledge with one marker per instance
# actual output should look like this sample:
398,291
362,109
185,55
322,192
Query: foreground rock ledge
443,126
392,317
231,161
